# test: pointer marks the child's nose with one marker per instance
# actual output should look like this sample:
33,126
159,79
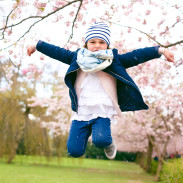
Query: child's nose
97,45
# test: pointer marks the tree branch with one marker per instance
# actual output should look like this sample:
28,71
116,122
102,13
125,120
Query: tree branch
10,59
165,46
134,29
23,34
70,37
173,44
156,147
41,18
5,27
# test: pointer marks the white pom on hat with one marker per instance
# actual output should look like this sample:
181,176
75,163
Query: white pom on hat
99,30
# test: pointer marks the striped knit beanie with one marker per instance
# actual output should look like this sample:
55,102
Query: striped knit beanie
98,30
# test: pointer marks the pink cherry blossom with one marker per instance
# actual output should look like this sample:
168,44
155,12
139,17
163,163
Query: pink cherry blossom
60,2
148,12
68,23
42,57
71,13
10,52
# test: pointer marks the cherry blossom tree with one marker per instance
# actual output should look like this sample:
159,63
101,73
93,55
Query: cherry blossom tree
56,120
23,22
14,111
57,117
134,24
153,18
157,127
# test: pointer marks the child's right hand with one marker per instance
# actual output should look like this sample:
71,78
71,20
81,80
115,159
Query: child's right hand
31,49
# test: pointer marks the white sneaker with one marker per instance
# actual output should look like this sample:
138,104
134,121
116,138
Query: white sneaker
110,151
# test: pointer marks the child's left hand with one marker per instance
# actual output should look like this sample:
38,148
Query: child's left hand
168,55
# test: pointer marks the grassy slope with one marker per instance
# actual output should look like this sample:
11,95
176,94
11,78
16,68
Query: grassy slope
69,170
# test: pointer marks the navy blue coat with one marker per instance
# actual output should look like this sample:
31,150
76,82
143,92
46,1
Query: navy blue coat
129,95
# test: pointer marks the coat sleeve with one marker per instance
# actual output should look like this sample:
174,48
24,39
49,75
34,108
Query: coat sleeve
139,56
55,52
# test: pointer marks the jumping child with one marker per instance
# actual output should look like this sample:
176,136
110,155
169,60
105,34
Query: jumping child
99,86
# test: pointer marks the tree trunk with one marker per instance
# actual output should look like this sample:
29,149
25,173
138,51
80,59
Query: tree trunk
149,157
27,112
138,158
10,157
12,154
159,169
142,162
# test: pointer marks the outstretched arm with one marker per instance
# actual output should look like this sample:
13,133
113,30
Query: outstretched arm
142,55
52,51
168,55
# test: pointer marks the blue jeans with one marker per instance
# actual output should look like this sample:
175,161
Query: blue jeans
81,130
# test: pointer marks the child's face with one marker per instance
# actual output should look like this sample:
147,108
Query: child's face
96,45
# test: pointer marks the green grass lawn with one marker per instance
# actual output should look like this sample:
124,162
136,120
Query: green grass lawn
68,170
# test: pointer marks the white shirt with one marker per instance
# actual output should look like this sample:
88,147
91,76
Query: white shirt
93,100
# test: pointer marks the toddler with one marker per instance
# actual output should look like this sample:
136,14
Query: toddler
99,86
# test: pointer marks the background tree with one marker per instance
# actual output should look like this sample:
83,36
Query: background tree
13,110
155,128
56,119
